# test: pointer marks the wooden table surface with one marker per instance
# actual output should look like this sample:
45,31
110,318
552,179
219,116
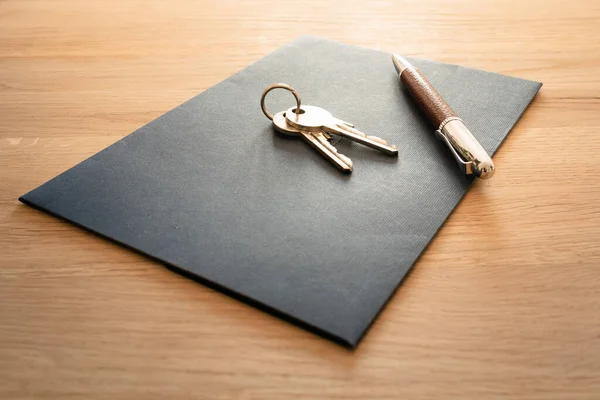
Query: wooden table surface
512,315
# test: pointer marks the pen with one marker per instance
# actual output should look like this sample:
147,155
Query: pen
470,156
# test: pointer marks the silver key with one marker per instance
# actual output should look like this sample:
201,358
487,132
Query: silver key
316,139
317,119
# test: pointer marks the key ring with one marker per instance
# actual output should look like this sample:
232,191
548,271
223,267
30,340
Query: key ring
278,86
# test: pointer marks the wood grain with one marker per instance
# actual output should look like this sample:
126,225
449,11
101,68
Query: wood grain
503,305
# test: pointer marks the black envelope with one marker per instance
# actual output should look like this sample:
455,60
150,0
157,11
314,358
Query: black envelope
211,191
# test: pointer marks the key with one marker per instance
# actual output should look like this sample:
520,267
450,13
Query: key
318,140
317,119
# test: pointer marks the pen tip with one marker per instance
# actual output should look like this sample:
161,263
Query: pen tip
400,63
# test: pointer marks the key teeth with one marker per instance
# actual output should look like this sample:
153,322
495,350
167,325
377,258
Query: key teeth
328,145
345,159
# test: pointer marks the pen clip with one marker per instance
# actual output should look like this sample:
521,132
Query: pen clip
465,166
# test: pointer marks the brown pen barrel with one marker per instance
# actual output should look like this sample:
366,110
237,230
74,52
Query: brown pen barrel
465,146
425,95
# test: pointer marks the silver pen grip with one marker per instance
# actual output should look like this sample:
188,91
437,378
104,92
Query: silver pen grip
461,140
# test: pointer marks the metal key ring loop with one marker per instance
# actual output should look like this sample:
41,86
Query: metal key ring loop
278,86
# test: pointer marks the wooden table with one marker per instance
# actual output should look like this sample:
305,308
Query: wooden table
513,315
